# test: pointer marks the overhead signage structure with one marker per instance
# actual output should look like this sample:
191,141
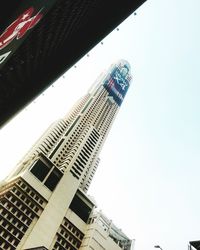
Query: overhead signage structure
26,18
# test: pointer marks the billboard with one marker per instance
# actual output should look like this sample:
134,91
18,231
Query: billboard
19,25
118,82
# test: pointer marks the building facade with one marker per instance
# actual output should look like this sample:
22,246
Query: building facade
44,202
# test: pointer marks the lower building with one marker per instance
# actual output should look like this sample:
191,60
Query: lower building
101,233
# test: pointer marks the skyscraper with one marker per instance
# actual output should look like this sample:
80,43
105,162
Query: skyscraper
44,202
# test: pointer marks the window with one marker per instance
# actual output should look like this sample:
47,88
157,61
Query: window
79,207
53,179
40,170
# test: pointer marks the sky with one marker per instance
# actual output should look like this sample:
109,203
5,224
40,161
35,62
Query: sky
148,179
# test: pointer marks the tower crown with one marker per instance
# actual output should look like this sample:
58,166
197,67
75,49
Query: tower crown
124,64
118,81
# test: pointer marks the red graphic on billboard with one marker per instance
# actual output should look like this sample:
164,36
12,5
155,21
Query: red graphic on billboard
19,27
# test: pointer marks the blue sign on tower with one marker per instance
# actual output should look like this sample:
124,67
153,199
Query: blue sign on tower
117,83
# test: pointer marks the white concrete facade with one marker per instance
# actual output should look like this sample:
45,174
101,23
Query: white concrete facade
44,198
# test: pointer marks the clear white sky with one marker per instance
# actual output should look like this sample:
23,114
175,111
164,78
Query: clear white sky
148,178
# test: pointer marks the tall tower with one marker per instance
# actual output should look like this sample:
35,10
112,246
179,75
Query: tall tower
44,201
